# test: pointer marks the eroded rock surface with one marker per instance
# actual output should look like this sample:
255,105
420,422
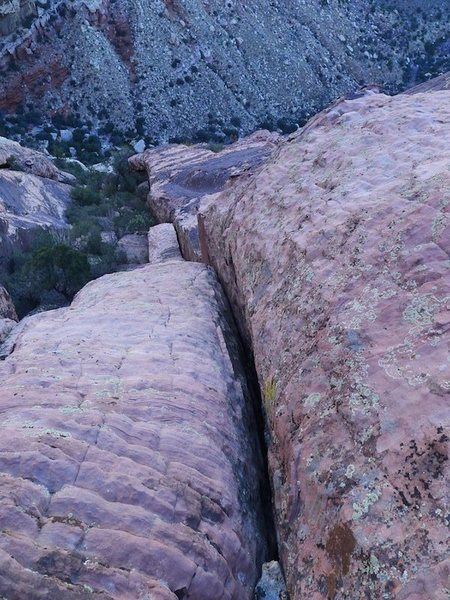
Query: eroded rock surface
33,195
163,244
135,247
126,465
182,177
7,310
336,258
16,157
8,316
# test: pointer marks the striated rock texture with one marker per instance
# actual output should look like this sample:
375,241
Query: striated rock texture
208,68
33,195
135,248
16,157
163,244
335,256
181,178
126,465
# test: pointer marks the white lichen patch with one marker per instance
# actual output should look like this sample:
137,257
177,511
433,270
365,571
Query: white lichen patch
363,398
421,311
312,399
70,410
349,472
362,508
400,363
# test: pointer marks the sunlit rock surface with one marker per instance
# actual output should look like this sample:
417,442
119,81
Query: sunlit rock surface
127,466
335,256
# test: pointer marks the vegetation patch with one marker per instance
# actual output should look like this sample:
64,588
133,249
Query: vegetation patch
106,206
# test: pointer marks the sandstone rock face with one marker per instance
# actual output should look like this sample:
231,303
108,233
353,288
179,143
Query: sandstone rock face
33,195
336,258
135,246
7,310
29,203
126,465
19,158
8,316
163,244
182,177
436,84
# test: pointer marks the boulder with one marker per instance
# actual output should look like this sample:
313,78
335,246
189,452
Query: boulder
16,157
7,310
135,247
6,326
271,585
29,203
183,177
335,256
163,244
128,467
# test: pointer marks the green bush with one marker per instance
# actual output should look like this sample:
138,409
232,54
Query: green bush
51,269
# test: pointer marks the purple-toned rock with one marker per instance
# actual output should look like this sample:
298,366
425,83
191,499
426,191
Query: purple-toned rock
127,468
163,244
181,177
7,309
335,256
433,85
16,157
135,247
33,195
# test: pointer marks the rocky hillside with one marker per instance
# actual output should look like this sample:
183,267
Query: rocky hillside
169,69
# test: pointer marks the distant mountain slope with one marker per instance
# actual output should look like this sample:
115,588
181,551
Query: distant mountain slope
206,69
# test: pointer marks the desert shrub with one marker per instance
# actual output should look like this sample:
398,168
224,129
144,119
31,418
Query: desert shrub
85,196
50,272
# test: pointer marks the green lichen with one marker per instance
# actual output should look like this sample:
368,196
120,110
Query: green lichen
312,399
362,508
363,398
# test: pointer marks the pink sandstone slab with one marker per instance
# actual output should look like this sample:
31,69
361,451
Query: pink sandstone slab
336,258
127,468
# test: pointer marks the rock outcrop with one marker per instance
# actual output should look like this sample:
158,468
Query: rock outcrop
135,248
127,467
163,244
8,316
34,195
181,178
19,158
7,310
335,256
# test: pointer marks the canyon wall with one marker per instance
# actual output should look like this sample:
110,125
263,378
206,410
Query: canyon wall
208,70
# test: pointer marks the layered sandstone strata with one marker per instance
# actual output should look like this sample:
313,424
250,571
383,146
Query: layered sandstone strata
128,462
